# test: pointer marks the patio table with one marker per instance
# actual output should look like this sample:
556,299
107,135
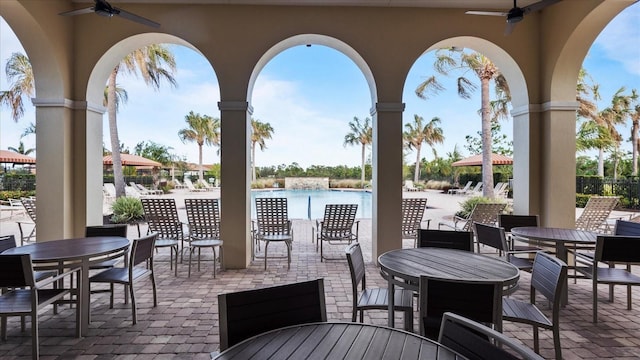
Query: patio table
338,341
403,267
78,252
561,238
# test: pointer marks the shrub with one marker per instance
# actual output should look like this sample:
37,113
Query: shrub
581,200
127,210
437,185
16,194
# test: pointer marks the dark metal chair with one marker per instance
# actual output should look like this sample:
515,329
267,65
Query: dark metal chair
140,266
495,237
412,213
27,296
273,225
374,298
475,341
548,277
476,300
162,217
509,221
337,227
106,230
458,240
203,218
613,249
247,313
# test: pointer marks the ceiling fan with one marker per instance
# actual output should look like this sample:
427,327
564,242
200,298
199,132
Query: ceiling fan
103,8
516,14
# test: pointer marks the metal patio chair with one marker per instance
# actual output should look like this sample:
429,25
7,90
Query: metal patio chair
336,227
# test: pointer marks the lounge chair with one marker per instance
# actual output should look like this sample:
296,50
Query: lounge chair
192,187
144,191
30,208
205,185
481,213
476,189
595,214
178,185
12,206
409,186
461,191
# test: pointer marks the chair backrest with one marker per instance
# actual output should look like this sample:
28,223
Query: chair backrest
467,186
106,230
272,216
356,268
412,212
142,250
16,271
617,248
508,221
485,214
629,228
459,240
475,341
109,189
247,313
491,236
338,220
477,300
7,242
477,187
203,216
189,184
549,277
596,212
30,206
162,217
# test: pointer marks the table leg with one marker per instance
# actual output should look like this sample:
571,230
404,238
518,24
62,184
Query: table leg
85,306
562,254
391,297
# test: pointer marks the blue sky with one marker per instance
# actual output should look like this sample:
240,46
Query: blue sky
309,94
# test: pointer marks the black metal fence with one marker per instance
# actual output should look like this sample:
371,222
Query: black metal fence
628,189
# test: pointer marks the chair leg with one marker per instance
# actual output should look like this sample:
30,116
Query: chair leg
354,315
536,343
111,296
556,341
190,255
35,341
288,254
153,287
408,320
266,244
213,248
134,312
3,328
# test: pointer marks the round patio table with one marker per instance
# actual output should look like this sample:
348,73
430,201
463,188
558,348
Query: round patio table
70,253
561,238
338,341
403,267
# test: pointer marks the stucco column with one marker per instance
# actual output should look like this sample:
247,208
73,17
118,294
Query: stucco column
235,183
558,164
387,178
54,175
526,160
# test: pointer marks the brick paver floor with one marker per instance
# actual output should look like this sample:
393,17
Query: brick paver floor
184,325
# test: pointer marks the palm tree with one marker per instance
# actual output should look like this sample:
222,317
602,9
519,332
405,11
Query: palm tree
149,62
21,150
449,60
20,74
418,133
361,133
202,129
634,115
259,133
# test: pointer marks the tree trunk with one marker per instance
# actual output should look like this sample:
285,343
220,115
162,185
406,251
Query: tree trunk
200,170
118,175
487,165
601,162
416,173
253,162
634,142
364,147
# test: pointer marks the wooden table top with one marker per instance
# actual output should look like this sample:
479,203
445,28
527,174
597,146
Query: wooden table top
555,234
72,249
409,264
338,341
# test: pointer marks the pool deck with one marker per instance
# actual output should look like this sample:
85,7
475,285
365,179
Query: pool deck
184,325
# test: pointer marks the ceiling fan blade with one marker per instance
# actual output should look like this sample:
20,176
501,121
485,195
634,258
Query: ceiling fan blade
509,29
488,13
133,17
78,12
538,6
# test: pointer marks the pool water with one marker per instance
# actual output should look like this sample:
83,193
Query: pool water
309,204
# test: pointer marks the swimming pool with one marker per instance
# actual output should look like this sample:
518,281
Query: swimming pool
301,203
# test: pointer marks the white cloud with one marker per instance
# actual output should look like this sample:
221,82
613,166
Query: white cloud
620,39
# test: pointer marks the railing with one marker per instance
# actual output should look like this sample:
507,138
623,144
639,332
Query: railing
628,189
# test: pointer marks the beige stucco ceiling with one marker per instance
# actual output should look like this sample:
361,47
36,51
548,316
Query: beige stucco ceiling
463,4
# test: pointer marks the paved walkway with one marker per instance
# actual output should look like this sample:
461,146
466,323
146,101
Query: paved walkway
184,325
